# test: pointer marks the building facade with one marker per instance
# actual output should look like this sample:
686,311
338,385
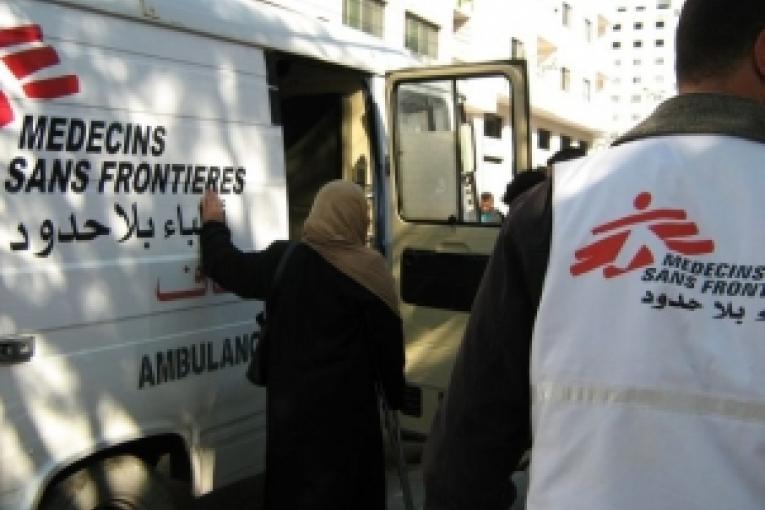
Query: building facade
565,43
642,41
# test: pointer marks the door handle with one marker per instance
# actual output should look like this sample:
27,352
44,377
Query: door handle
16,348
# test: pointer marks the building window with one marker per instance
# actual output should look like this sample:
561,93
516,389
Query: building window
659,24
366,15
616,45
636,98
618,62
565,141
638,25
640,8
586,89
614,99
637,62
659,60
663,4
565,78
617,27
517,49
584,145
636,79
566,14
637,44
543,139
492,125
420,36
588,30
621,9
659,43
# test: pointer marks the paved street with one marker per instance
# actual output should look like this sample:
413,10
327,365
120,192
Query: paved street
241,495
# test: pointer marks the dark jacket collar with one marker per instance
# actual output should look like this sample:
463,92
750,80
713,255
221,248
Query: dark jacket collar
689,114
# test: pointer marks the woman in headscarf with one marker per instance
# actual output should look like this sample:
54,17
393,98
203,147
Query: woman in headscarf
334,331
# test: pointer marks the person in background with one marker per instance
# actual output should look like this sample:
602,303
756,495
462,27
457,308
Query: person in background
335,333
488,213
611,333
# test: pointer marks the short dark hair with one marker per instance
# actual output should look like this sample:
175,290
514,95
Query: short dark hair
522,182
714,35
566,154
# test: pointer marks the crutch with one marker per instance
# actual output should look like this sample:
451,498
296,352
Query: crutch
394,437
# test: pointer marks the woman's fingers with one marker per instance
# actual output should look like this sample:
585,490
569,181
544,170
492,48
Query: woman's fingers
212,207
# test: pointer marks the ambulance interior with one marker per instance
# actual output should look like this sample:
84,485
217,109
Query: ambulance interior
322,111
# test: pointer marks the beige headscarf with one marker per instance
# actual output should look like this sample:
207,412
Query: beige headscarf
336,228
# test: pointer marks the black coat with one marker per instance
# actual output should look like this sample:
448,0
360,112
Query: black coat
330,339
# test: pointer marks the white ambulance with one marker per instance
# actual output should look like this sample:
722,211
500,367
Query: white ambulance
121,365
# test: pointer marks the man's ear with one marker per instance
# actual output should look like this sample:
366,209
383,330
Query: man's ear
759,55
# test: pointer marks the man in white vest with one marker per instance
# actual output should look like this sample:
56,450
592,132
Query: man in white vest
619,331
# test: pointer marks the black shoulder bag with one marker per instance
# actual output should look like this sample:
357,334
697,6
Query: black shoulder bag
257,372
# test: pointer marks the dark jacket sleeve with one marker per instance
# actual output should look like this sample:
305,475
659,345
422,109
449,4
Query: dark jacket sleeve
246,274
483,426
387,336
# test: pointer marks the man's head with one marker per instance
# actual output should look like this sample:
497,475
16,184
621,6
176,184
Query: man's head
720,47
487,201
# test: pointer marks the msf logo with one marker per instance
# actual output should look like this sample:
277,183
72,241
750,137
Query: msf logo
32,57
669,225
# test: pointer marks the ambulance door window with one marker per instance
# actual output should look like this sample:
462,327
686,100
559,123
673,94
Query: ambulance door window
426,135
455,151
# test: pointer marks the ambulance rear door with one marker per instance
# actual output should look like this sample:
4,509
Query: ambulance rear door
457,133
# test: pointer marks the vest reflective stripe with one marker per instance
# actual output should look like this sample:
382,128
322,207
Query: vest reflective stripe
648,351
679,402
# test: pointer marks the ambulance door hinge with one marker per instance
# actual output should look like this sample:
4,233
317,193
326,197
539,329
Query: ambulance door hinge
16,348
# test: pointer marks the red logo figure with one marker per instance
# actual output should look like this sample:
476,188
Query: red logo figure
667,224
25,62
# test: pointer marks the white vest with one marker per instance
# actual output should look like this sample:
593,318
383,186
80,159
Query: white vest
648,353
